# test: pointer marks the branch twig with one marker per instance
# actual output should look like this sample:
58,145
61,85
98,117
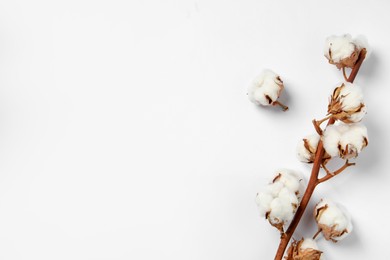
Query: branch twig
330,175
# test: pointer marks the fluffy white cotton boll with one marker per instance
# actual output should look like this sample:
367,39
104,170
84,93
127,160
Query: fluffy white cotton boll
338,48
283,207
343,51
346,103
279,209
266,89
333,220
354,140
307,147
280,198
343,140
304,249
292,180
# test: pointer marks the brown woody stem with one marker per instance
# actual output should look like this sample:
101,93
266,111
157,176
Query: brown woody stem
314,181
345,74
330,175
317,233
284,107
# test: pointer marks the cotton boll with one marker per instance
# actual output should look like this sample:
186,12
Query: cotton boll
307,148
291,179
343,51
282,210
279,200
333,220
305,249
266,89
343,140
353,141
346,103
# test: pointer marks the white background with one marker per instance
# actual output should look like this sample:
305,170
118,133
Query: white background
126,132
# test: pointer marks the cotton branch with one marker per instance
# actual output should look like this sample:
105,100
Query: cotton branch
314,180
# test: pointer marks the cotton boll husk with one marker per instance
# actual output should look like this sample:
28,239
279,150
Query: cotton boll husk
304,153
305,249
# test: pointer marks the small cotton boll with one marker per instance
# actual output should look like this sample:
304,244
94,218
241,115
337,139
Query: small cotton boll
307,147
305,249
333,220
346,103
343,51
266,88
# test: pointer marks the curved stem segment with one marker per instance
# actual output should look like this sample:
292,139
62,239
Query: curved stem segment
314,181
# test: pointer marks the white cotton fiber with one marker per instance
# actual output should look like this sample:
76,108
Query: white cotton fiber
338,48
345,140
307,148
333,219
280,198
343,51
266,88
346,103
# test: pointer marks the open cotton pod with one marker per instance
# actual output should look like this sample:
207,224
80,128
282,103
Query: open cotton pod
333,220
345,140
281,197
305,249
346,103
307,148
266,89
343,51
